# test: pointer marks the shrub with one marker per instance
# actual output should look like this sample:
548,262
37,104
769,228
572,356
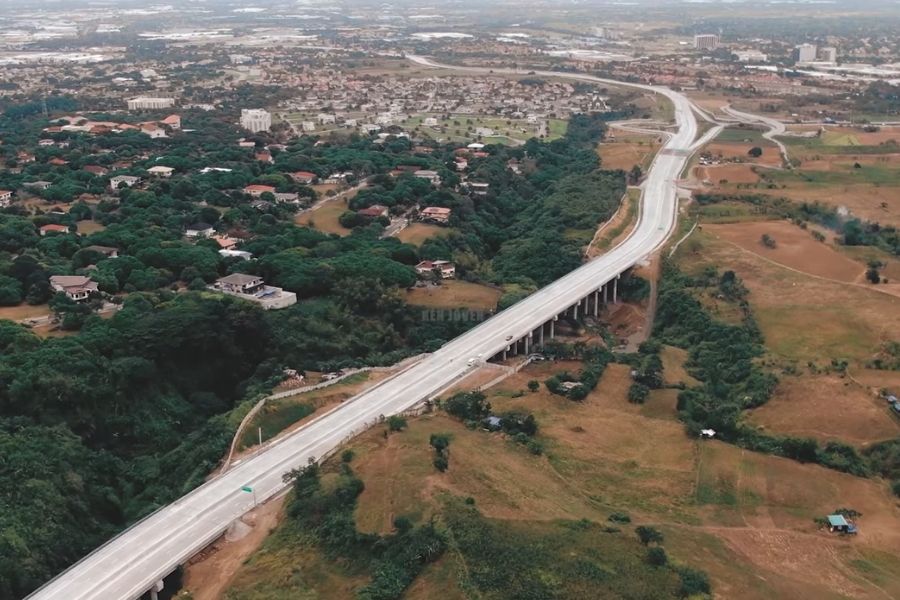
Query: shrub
441,463
692,582
637,393
648,535
619,517
396,423
657,557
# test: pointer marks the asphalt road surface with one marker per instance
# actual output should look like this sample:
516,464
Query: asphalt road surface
130,564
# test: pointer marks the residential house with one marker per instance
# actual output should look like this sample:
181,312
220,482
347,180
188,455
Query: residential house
304,177
53,228
96,170
199,230
265,157
253,288
173,121
438,214
57,162
5,198
161,171
225,242
256,190
153,130
37,185
446,268
373,212
431,176
479,188
242,254
289,197
76,287
25,157
107,251
117,182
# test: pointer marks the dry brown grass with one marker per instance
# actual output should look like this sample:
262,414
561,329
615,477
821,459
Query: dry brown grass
417,233
802,317
627,150
738,151
826,408
673,360
455,294
89,227
325,218
23,311
795,248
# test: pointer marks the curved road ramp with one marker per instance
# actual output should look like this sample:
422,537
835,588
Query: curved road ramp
136,561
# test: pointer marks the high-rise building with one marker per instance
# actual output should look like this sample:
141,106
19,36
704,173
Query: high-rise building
806,53
147,103
706,41
828,54
256,119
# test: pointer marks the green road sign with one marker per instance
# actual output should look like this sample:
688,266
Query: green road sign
246,488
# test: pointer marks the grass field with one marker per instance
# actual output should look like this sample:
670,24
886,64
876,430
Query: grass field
89,227
278,415
325,218
417,233
802,317
455,293
628,150
23,311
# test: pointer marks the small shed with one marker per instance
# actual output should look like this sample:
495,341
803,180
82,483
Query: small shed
840,524
493,423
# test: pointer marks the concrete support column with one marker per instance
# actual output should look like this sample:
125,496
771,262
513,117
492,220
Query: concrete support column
552,324
606,293
527,339
504,352
615,288
596,303
575,311
541,335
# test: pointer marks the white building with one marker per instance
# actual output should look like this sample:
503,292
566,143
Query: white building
751,56
116,183
150,103
828,54
806,53
253,288
161,171
256,119
706,41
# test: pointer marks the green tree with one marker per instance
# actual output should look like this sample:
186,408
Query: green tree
648,535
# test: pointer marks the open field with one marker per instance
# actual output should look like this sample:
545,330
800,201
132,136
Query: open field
795,248
325,218
417,233
627,150
455,293
802,317
737,151
826,407
89,227
23,311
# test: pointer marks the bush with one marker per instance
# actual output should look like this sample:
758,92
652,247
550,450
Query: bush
441,463
637,393
657,557
692,582
347,456
619,517
648,535
396,423
534,385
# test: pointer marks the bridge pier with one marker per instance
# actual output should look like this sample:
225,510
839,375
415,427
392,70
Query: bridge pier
596,302
615,288
156,589
541,336
575,311
552,324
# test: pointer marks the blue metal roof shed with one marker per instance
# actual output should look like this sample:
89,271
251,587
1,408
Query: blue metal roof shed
837,521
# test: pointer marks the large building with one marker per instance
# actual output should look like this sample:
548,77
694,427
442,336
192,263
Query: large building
706,41
256,119
253,288
806,53
150,103
828,54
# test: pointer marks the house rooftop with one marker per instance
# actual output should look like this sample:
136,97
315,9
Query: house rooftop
837,521
239,279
